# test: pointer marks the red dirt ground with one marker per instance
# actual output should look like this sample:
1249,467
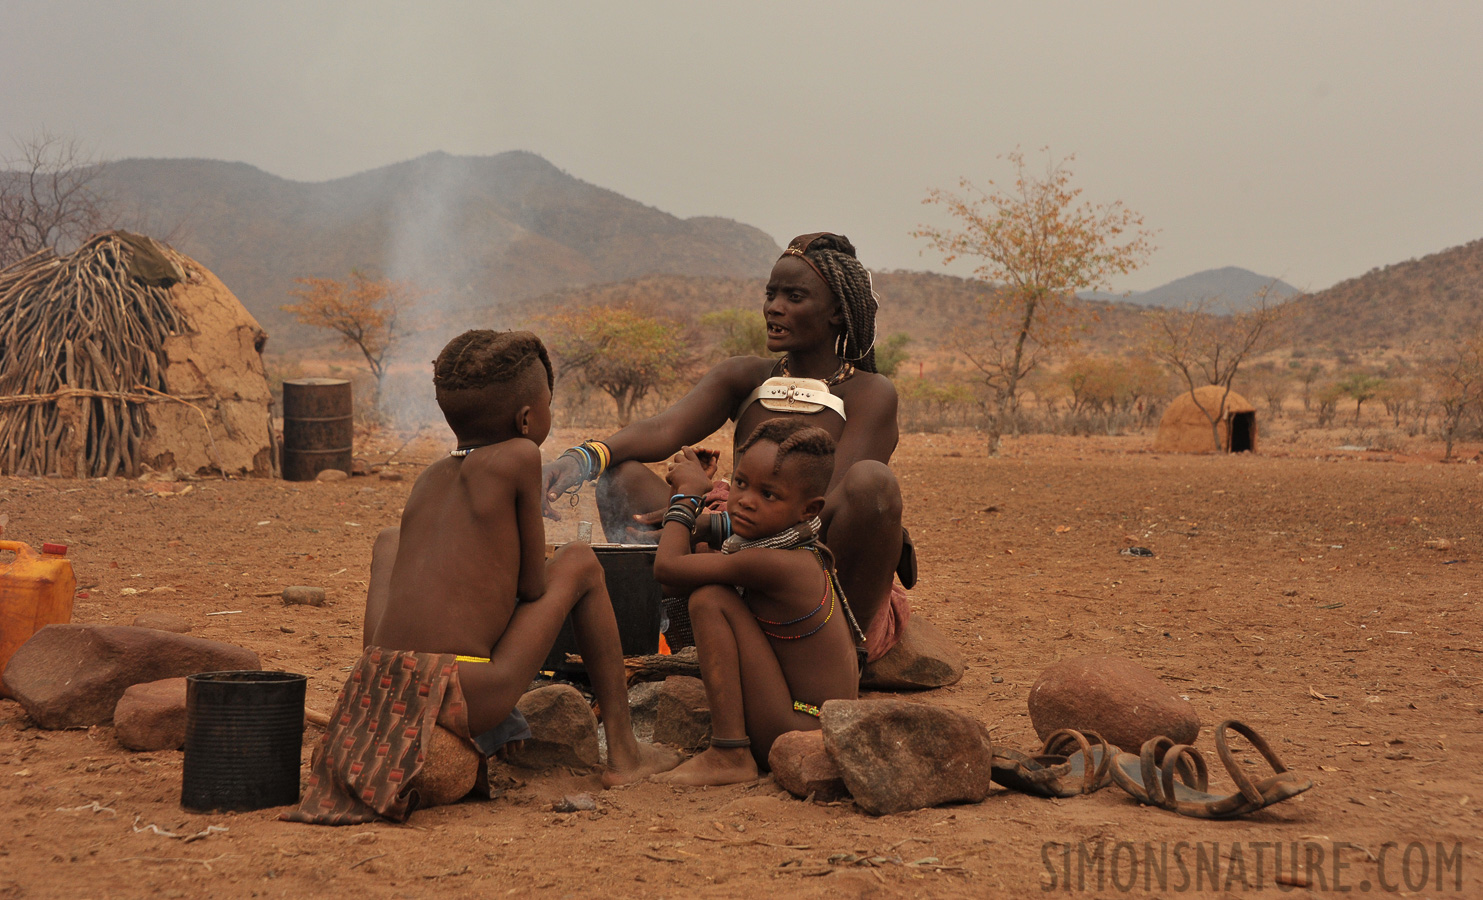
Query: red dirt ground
1294,590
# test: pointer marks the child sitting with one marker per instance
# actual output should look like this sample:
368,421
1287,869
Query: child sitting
469,575
773,632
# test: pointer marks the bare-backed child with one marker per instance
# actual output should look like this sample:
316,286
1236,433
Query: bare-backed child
469,575
775,636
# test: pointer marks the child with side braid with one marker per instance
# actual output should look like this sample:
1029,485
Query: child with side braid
775,634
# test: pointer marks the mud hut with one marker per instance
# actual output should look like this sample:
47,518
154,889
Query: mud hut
1186,427
124,355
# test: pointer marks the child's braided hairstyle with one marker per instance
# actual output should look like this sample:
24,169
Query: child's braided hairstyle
833,257
480,357
796,438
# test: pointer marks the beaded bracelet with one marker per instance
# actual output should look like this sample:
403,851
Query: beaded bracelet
593,457
679,512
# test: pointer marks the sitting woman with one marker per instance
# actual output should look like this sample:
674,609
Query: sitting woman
820,313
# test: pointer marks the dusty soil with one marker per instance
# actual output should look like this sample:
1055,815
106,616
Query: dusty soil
1294,590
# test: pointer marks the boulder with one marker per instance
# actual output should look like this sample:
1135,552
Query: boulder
563,730
162,622
801,766
683,716
1117,698
924,657
303,595
896,755
151,716
71,675
449,772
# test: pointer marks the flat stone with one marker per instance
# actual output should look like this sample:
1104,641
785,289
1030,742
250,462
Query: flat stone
162,622
896,755
683,717
71,675
563,730
332,475
151,716
390,475
303,595
923,658
1117,698
801,766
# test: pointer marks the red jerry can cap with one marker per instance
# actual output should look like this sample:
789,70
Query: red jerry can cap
54,549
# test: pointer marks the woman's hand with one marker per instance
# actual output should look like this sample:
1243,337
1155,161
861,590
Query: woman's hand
557,477
687,474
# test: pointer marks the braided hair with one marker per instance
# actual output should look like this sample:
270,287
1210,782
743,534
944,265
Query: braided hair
832,256
811,445
479,358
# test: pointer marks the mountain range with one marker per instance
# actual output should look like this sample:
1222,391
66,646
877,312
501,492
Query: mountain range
493,240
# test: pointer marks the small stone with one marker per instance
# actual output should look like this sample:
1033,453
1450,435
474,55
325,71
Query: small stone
285,629
71,675
1117,698
570,803
332,475
896,755
359,467
563,730
303,595
162,622
997,679
151,716
924,657
390,475
801,766
683,717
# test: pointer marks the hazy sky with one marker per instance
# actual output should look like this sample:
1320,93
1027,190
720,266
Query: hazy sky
1308,141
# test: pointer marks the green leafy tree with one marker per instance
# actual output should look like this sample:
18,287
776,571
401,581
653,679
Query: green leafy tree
891,353
621,351
736,332
1359,387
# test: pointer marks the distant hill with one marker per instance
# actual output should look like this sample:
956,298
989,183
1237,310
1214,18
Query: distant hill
1401,305
1228,289
482,233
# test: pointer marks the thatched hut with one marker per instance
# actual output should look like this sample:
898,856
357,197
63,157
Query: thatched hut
125,355
1186,426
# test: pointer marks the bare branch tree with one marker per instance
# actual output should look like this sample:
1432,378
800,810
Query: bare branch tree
1203,348
50,197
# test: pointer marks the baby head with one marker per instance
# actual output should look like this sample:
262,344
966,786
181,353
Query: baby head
781,474
495,385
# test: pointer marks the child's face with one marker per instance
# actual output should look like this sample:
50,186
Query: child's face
763,502
800,310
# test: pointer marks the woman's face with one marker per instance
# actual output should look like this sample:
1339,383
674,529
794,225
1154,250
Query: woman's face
800,310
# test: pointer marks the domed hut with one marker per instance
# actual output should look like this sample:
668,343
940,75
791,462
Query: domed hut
1187,424
126,354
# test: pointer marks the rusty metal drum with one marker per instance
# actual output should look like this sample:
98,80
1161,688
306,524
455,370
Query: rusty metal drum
318,427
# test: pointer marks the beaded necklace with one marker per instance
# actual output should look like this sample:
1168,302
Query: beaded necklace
841,375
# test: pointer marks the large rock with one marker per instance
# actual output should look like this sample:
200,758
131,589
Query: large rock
923,658
1117,698
70,675
151,716
683,717
896,755
449,772
801,766
563,730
